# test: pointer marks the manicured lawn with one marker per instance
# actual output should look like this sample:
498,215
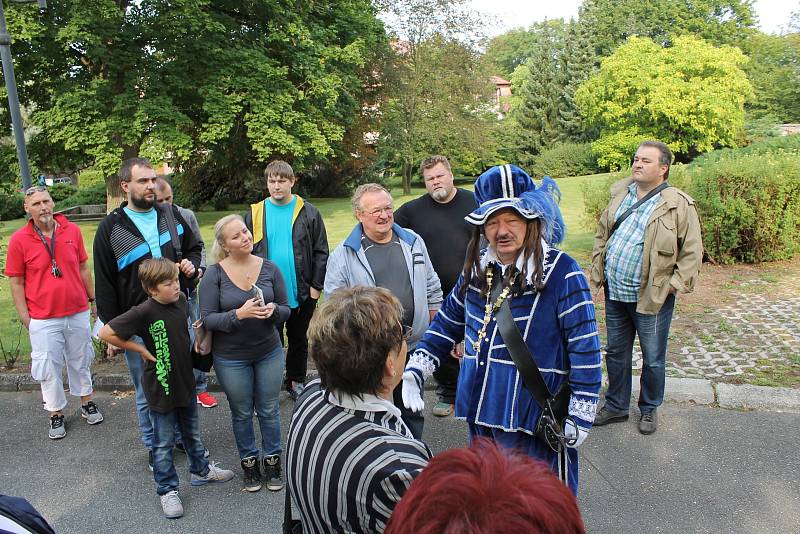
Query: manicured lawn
339,221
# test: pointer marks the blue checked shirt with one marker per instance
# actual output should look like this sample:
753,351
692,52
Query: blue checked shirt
626,247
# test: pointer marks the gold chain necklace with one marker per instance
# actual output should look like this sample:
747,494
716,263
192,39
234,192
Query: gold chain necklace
490,308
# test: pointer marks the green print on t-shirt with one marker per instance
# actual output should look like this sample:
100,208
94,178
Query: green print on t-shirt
158,332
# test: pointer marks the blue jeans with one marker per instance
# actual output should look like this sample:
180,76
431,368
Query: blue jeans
136,368
164,425
254,385
623,322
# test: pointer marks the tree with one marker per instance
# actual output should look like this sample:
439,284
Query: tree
214,86
690,95
612,22
508,51
439,94
774,70
577,63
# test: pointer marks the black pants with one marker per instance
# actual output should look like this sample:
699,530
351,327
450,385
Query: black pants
413,420
447,378
297,338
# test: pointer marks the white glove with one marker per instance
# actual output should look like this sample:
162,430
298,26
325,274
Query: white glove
573,432
412,392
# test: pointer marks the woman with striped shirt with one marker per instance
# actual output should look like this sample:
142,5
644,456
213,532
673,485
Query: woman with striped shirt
350,458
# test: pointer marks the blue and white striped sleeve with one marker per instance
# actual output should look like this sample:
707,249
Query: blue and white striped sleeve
446,330
576,318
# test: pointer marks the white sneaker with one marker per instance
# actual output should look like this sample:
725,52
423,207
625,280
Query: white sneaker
171,504
215,474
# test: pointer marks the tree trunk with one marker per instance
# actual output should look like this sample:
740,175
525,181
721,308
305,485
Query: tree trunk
407,169
114,193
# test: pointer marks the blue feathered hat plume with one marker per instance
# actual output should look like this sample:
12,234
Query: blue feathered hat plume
508,186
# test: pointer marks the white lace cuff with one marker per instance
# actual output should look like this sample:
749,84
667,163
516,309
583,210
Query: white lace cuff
582,409
422,363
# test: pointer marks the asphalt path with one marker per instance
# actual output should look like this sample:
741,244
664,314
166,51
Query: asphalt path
705,470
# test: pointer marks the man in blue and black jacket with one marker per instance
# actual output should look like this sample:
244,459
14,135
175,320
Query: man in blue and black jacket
130,234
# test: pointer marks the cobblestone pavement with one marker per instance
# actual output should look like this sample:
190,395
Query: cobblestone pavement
755,332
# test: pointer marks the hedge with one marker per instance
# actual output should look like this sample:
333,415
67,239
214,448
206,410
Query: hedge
748,199
565,159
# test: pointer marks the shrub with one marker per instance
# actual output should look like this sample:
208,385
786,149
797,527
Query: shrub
94,194
596,196
10,202
565,159
90,178
61,191
749,207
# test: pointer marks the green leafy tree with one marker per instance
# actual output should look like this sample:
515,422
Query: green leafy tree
439,94
508,51
612,22
216,87
690,95
774,70
578,63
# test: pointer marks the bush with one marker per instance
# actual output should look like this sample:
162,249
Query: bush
565,159
749,206
90,178
94,194
59,192
10,202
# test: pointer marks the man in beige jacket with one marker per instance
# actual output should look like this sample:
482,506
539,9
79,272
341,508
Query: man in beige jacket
647,248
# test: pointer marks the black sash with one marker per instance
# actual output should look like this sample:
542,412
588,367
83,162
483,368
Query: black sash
555,408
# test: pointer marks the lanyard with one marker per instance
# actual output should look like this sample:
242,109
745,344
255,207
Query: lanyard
54,270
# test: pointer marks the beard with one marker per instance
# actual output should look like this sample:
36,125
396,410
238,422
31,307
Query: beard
142,203
440,195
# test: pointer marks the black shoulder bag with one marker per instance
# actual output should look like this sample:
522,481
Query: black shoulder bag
173,233
555,408
638,203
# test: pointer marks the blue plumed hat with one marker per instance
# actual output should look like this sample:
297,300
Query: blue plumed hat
508,186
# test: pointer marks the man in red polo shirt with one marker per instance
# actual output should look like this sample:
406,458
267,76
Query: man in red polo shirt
51,285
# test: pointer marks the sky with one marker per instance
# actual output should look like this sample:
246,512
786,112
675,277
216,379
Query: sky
772,14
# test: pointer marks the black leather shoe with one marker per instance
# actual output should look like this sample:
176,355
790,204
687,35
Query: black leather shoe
606,417
648,422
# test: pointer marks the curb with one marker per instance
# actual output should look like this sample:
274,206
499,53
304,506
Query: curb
695,391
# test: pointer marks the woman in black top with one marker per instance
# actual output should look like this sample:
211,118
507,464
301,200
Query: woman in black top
242,299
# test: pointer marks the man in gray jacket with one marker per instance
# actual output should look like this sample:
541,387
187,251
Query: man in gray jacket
379,253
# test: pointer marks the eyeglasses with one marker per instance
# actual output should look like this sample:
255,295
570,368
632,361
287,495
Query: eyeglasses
380,211
35,189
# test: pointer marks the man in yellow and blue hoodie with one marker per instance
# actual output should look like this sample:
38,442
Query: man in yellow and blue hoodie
289,231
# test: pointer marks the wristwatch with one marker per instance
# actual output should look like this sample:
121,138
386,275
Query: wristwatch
91,299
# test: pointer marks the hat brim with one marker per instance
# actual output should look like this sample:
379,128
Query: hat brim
485,210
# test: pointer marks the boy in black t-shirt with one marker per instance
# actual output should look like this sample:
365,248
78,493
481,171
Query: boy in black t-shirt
168,380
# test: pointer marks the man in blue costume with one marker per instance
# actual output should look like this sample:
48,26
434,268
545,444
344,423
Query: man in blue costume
550,301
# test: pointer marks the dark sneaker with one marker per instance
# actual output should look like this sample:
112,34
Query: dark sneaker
172,505
648,422
442,409
252,474
295,389
215,474
150,460
180,447
606,417
272,472
90,412
57,428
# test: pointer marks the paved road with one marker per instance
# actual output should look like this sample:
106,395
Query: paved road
706,470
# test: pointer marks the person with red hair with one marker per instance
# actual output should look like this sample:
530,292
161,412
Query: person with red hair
485,489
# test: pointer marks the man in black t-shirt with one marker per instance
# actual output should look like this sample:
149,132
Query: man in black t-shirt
167,380
439,218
